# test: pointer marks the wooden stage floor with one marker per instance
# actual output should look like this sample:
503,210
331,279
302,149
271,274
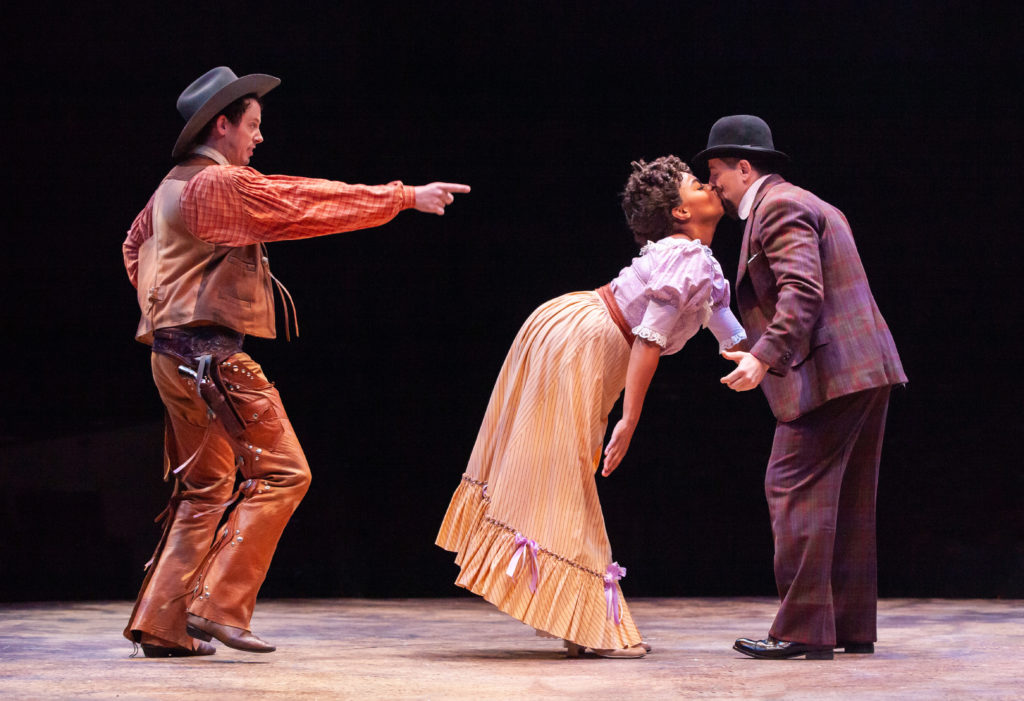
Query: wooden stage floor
462,648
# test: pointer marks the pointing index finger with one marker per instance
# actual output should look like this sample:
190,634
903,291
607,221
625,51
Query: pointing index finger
454,187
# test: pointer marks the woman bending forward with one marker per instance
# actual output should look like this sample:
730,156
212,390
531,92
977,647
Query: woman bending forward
525,522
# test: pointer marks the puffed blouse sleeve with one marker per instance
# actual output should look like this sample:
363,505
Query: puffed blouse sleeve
682,284
723,323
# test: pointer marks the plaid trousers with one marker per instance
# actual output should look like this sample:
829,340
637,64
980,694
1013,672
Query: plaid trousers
821,484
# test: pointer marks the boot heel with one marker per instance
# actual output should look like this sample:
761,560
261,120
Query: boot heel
860,648
820,654
196,633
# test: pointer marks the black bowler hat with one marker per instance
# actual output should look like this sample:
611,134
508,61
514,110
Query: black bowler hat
738,135
212,92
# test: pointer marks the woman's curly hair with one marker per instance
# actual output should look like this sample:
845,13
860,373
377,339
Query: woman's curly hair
651,193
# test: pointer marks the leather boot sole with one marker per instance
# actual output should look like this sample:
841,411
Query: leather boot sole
201,650
203,629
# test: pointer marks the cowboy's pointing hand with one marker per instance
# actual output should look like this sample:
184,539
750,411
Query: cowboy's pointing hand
433,198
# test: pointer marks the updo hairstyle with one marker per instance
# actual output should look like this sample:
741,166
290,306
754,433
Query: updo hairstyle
651,193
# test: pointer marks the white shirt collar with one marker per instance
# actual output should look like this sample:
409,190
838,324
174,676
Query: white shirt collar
747,201
211,153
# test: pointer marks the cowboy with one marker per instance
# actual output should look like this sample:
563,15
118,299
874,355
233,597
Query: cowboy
197,256
826,361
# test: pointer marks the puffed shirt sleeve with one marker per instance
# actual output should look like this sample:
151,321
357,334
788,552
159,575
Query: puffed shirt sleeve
140,231
680,284
726,328
238,206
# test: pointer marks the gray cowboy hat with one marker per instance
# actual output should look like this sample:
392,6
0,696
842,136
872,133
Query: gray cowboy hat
209,94
740,134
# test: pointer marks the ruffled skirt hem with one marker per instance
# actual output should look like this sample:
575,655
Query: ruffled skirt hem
570,600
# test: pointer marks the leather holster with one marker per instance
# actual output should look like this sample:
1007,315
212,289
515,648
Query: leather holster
202,350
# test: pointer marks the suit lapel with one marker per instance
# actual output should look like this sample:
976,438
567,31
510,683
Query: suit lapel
744,247
748,230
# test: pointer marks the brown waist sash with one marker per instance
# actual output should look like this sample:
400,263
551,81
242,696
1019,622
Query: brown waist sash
605,292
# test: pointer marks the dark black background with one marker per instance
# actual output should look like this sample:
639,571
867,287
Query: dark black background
906,117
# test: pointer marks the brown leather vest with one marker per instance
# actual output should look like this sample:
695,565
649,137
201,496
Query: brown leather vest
184,281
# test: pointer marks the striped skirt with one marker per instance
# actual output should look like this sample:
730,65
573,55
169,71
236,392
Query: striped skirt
525,522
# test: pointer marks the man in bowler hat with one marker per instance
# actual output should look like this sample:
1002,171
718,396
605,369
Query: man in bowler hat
826,361
196,254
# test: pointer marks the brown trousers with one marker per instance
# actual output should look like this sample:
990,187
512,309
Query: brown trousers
198,568
821,484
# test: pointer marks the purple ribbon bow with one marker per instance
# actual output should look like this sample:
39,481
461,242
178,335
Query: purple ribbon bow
611,592
525,545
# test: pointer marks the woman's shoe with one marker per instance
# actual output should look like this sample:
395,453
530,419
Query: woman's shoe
573,650
623,653
626,653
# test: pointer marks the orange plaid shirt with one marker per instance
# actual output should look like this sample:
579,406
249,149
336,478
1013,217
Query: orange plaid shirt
238,206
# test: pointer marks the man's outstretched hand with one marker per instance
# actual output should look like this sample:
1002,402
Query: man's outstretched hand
748,373
433,198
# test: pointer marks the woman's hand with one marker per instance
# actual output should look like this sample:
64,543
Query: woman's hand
643,361
622,434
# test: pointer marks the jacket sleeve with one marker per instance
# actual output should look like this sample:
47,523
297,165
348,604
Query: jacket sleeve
791,246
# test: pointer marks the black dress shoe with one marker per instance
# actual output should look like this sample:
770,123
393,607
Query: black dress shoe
857,648
239,639
201,649
772,649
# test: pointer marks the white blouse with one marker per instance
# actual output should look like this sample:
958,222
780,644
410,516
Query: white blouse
673,288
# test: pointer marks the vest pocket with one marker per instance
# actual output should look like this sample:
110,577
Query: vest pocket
241,285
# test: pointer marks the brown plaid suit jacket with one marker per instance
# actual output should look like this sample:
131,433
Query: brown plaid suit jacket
806,305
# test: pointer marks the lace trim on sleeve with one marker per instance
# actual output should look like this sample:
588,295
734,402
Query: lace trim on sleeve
650,335
727,343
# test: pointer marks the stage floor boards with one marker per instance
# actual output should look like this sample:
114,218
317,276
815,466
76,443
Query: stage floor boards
462,648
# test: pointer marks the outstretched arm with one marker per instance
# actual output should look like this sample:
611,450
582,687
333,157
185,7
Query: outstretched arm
643,361
240,206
